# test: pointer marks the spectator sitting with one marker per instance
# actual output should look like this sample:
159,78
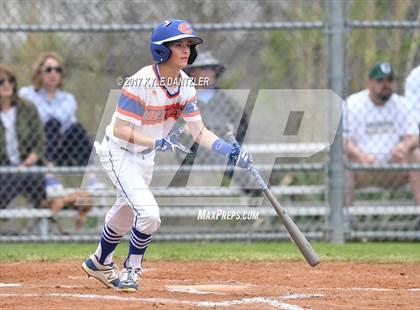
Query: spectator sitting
379,128
22,144
220,113
67,141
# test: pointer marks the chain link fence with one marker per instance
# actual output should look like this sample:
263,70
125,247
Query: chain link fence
259,45
381,116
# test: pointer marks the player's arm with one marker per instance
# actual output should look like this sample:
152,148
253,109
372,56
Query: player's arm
209,140
201,134
129,113
124,130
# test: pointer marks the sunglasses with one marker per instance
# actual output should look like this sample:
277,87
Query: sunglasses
51,69
388,79
11,80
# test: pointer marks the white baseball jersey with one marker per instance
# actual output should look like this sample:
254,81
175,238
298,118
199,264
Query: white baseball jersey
376,130
152,107
412,91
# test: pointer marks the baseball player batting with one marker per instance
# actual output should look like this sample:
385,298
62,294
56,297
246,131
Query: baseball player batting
140,127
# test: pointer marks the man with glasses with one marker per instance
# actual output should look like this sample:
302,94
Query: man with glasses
379,128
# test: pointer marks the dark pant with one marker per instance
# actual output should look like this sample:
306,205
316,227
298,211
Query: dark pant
29,185
69,149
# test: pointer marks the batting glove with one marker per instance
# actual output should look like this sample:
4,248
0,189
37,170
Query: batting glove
167,144
240,158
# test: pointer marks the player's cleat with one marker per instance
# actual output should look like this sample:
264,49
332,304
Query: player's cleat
107,274
128,279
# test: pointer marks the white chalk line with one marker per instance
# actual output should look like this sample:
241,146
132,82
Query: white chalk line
10,284
255,300
365,289
258,300
301,296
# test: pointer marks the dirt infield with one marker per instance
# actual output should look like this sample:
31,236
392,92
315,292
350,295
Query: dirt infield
226,285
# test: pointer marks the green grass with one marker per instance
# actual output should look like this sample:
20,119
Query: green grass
226,251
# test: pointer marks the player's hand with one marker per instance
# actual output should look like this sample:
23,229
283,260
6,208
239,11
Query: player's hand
240,158
167,144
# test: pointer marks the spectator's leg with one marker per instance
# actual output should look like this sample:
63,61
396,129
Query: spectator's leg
360,179
8,190
77,146
414,157
52,132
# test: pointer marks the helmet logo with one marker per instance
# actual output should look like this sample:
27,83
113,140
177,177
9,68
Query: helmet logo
386,68
185,28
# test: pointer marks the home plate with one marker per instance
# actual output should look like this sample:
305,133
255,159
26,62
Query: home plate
207,288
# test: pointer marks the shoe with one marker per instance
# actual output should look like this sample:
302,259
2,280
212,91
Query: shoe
128,279
107,274
53,187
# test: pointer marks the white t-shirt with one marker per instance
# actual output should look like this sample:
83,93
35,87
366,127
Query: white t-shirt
412,91
62,106
151,107
12,147
376,130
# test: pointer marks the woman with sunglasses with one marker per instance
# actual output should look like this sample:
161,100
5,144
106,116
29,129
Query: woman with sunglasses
67,141
22,143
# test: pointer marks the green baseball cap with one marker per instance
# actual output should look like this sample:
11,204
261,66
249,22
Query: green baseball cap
381,70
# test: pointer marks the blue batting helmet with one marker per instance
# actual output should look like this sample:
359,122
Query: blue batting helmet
169,31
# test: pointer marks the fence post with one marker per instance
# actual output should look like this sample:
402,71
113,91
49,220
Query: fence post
335,28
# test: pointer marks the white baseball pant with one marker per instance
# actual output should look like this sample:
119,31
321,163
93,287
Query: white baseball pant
131,174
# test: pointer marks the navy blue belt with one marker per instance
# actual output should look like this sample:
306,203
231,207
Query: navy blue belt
146,151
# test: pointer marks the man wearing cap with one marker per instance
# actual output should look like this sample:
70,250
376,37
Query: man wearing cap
220,112
379,128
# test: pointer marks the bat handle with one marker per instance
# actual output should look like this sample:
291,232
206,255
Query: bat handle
251,169
176,132
263,186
